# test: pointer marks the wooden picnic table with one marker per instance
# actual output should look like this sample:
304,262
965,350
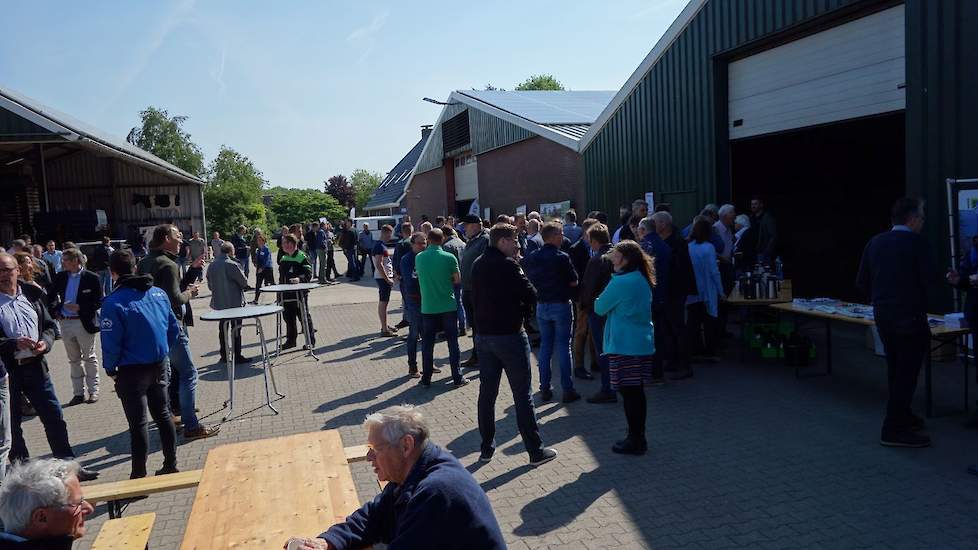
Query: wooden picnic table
259,493
941,334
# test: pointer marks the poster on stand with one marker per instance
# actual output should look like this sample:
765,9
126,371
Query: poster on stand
551,210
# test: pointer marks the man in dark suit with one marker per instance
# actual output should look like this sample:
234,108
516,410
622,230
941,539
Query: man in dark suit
76,296
895,271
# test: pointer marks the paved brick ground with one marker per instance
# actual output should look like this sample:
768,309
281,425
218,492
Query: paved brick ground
744,455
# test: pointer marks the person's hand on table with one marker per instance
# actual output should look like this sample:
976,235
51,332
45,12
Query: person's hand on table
294,280
307,544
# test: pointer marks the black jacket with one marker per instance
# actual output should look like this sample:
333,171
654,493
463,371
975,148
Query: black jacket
45,331
682,280
89,298
895,271
14,542
501,293
580,254
99,260
597,274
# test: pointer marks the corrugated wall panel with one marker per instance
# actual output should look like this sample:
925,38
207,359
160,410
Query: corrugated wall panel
942,109
678,128
487,133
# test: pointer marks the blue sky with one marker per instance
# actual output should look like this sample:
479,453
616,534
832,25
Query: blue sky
315,88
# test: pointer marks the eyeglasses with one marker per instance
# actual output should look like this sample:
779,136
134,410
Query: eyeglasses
377,448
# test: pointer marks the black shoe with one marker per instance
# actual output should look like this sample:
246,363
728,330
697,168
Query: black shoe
629,446
570,396
84,474
461,332
435,370
904,439
583,374
546,395
165,470
460,383
603,397
486,456
242,360
470,363
424,383
402,324
543,456
916,423
288,345
76,400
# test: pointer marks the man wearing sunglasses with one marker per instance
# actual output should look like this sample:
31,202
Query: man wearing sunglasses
41,505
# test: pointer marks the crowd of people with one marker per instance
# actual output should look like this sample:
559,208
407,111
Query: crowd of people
630,305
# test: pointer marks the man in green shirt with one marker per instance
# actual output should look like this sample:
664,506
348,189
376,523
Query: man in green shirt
438,275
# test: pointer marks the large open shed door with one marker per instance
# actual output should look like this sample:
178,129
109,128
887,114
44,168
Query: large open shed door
852,70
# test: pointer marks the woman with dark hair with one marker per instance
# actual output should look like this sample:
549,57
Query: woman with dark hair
627,304
702,308
32,270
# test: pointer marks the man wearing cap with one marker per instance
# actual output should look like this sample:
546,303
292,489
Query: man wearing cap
476,241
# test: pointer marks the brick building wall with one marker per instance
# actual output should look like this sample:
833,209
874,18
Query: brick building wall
426,195
530,172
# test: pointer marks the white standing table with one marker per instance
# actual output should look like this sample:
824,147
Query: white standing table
228,319
303,313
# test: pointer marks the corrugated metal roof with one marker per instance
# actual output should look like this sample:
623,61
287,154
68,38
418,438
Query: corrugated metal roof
573,131
72,129
388,194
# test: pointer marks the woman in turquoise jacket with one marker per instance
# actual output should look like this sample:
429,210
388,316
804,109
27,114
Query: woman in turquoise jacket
627,304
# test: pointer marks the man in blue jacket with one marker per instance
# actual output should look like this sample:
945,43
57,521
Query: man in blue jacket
138,328
431,500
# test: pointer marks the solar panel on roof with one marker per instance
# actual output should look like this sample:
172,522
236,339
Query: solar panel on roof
547,107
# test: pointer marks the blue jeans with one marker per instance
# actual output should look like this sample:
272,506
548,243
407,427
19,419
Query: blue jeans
556,323
432,323
459,309
105,277
595,322
4,425
509,353
184,373
245,265
353,267
313,257
412,314
33,381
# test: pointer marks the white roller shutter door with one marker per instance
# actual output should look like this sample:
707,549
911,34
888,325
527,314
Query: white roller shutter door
855,69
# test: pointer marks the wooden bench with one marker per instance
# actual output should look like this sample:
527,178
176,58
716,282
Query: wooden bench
116,493
130,533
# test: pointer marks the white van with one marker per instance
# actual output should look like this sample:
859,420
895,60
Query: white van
376,222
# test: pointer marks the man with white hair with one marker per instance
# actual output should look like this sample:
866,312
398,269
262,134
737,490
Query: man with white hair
41,505
724,228
430,500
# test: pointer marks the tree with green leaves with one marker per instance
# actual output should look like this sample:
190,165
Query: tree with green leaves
165,137
340,189
233,194
540,82
304,205
364,184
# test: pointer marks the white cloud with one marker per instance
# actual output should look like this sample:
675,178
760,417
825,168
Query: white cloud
369,30
145,51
